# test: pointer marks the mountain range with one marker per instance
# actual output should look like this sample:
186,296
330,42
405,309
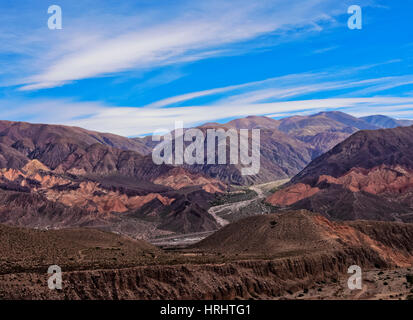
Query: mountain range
288,144
59,184
56,176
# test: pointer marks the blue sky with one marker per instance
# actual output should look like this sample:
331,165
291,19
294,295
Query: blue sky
132,67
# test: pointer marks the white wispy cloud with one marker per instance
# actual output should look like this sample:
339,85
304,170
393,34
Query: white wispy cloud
299,89
196,31
387,83
203,93
323,50
52,111
130,121
274,97
295,85
138,121
249,86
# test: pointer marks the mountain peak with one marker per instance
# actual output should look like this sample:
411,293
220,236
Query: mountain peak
254,122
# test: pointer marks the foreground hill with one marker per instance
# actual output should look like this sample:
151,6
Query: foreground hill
274,256
28,249
367,176
302,232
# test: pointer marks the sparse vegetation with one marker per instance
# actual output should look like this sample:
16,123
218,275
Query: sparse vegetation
256,207
409,278
246,194
275,189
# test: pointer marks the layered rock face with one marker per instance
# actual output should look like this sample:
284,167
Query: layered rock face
58,176
89,195
238,280
39,197
368,176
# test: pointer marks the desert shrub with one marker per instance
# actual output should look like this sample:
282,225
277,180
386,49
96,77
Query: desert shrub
409,278
247,194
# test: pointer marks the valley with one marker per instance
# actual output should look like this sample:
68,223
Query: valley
333,191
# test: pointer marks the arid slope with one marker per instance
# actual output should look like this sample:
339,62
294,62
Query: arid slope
367,176
259,257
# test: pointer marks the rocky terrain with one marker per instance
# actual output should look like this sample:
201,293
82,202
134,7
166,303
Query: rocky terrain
301,253
377,285
36,196
367,176
303,232
71,186
289,144
58,176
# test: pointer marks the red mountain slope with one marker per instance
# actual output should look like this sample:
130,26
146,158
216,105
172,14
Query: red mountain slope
369,176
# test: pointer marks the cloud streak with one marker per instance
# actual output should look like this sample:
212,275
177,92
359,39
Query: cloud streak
130,121
209,29
294,85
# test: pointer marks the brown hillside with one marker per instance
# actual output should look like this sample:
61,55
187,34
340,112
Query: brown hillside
22,248
304,232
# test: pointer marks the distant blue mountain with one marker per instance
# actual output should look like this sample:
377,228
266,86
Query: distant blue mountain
386,122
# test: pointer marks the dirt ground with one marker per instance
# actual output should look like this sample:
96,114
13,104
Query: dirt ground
376,285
